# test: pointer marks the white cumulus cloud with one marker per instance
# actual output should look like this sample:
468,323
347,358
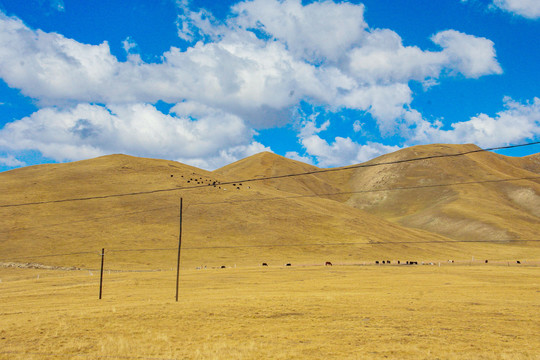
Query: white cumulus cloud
516,123
315,32
527,8
11,161
249,71
87,131
472,56
257,79
339,152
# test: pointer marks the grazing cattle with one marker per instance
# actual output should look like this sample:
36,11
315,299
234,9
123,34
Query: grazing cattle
328,263
264,264
519,262
223,266
377,262
288,264
398,262
388,261
172,175
486,261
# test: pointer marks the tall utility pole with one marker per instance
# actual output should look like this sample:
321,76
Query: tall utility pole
179,247
101,275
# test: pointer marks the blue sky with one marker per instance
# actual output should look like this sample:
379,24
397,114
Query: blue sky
207,83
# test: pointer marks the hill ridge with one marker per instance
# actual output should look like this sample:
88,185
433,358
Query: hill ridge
288,211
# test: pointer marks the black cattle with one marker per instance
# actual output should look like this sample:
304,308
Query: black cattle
486,261
377,262
398,262
223,266
519,262
288,264
388,261
328,263
264,264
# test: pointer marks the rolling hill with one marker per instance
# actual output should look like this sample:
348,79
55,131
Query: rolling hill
130,207
469,197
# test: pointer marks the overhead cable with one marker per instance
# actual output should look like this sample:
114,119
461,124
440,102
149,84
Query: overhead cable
319,171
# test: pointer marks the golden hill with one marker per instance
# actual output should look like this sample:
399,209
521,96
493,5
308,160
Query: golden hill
467,197
252,222
268,165
482,201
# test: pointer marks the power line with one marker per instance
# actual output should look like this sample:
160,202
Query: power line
358,243
272,199
375,243
367,191
269,177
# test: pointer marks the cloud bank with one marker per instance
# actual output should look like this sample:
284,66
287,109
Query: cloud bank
248,72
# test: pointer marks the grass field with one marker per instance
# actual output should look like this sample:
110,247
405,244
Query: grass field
455,311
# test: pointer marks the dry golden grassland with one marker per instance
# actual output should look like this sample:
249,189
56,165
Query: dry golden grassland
455,311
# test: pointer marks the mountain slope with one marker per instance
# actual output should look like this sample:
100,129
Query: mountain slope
244,224
466,197
266,164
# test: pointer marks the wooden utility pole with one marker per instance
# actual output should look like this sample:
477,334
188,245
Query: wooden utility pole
179,247
101,276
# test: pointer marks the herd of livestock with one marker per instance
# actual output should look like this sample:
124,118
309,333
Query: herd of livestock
377,262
